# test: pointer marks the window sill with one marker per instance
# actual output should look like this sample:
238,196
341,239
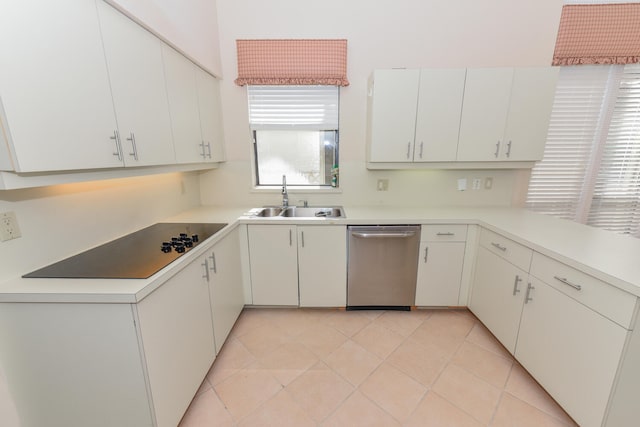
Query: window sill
296,189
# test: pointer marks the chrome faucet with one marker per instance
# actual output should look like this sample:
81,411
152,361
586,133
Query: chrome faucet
285,195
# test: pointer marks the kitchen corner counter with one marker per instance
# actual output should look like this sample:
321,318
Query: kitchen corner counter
108,291
604,255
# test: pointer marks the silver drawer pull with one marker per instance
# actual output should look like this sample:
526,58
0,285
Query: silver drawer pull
515,285
499,246
448,233
205,264
527,298
568,283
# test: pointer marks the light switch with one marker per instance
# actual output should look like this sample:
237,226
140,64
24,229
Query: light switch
462,184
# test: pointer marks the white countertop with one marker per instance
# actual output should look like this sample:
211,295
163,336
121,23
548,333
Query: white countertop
604,255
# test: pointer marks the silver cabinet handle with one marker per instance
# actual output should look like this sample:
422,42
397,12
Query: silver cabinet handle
426,253
499,246
526,297
448,233
421,148
203,153
205,264
116,140
508,153
290,238
214,267
209,149
515,285
132,138
302,236
408,149
568,283
384,235
497,149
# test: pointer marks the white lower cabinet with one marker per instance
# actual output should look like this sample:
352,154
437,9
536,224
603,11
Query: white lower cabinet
74,365
498,295
568,329
322,266
273,256
121,364
298,265
177,337
571,350
225,285
441,261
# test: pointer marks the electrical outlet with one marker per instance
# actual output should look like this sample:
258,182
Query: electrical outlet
476,183
9,226
383,185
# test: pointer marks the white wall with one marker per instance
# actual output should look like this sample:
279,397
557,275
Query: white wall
191,27
381,34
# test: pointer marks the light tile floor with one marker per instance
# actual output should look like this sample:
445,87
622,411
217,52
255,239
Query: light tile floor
306,367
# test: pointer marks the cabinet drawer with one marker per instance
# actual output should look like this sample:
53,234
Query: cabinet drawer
444,233
599,296
515,253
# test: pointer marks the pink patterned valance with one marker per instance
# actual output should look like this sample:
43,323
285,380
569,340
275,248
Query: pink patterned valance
292,62
598,34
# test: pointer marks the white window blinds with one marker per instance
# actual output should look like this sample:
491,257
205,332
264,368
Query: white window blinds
616,193
591,166
293,107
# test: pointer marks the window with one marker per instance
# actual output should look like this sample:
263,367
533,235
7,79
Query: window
295,133
590,172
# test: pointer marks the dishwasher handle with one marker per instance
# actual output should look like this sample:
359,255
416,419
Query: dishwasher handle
384,235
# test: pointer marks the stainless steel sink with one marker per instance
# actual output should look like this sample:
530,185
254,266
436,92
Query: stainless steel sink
302,212
318,212
269,212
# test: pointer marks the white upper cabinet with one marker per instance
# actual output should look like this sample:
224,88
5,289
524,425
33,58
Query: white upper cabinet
480,115
438,117
54,87
532,94
505,113
484,113
134,60
393,105
183,107
210,115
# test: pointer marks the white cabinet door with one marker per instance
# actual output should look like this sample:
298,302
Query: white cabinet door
572,351
54,87
532,95
225,286
274,264
182,91
210,115
438,117
134,60
322,265
484,113
498,295
177,335
439,273
74,364
393,115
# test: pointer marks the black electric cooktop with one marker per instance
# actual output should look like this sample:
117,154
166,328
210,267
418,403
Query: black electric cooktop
134,256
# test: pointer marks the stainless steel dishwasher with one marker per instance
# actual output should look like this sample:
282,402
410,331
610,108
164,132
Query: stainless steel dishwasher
382,266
